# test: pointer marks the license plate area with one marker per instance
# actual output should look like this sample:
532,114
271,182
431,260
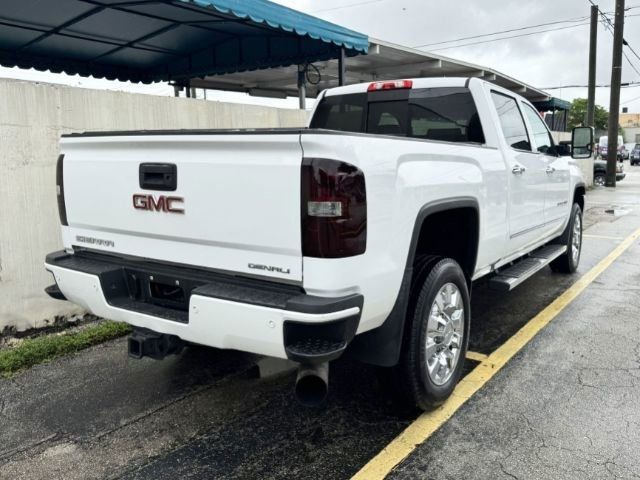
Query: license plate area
162,290
165,292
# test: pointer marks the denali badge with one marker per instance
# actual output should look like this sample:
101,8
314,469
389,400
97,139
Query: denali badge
160,204
269,269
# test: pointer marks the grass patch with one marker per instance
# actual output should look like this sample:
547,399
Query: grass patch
33,351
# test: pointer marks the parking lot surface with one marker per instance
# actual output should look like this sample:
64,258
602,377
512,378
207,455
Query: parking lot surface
566,406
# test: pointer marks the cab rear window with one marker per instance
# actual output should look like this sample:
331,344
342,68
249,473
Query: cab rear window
445,113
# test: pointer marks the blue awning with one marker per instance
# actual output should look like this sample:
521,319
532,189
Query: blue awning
160,40
552,104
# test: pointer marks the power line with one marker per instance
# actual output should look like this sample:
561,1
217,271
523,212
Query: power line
626,44
367,2
572,20
511,36
629,62
609,27
503,31
624,85
606,22
347,6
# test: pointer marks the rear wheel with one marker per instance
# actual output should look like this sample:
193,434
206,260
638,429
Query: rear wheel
572,238
436,333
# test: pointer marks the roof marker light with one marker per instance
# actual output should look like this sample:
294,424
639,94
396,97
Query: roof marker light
392,85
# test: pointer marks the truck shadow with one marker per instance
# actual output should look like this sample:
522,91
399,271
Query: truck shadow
280,439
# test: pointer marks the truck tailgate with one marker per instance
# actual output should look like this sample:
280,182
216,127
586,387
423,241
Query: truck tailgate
236,205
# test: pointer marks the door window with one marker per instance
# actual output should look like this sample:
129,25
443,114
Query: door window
541,135
511,121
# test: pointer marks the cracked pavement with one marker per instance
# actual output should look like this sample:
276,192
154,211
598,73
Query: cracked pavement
565,407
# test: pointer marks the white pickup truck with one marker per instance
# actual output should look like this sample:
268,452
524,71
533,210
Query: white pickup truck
361,234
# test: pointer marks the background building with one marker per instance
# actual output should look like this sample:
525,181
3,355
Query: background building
630,124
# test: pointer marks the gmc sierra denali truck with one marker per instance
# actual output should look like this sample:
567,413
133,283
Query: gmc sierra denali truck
361,234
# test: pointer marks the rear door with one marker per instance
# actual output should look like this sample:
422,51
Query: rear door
558,177
527,182
235,206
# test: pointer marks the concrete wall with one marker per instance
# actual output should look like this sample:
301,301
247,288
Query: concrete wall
32,118
632,134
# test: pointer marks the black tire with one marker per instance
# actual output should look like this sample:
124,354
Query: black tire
431,274
599,179
568,262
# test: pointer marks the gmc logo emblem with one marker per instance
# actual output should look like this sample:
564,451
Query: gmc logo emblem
159,204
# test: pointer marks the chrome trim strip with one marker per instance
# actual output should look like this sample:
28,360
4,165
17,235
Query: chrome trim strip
530,229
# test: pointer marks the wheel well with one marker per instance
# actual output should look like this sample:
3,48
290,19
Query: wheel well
451,233
578,196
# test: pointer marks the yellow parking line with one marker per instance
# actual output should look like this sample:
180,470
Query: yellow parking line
605,237
476,356
427,423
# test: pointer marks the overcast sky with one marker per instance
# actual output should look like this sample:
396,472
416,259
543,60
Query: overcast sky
542,59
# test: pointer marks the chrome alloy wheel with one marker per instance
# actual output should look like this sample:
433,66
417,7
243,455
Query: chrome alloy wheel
576,241
445,334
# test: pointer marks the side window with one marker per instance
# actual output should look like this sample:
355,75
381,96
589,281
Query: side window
541,135
511,121
447,114
341,112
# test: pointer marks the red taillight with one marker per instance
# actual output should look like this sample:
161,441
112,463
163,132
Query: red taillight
392,85
62,208
333,210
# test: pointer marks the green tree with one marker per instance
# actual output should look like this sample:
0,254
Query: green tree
578,114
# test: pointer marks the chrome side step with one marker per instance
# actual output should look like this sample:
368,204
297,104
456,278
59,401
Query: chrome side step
509,278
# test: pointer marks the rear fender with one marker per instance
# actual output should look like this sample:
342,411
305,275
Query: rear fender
382,346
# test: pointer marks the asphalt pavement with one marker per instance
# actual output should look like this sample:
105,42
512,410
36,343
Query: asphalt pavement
565,407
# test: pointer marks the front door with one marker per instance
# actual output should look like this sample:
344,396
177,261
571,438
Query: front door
527,177
557,197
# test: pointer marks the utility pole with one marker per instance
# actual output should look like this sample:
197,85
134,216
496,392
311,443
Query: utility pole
614,102
593,43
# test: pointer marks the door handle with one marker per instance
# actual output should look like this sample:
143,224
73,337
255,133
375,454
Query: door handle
518,170
550,169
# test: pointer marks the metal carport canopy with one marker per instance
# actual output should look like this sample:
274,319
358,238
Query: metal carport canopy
164,40
385,61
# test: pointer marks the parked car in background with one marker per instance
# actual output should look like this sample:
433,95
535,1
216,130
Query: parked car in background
600,172
603,147
634,157
627,150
